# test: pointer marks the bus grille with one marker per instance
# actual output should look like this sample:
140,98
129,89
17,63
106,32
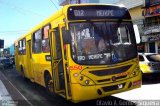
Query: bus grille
110,71
107,80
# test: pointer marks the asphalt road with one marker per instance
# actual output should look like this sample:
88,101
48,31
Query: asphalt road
38,96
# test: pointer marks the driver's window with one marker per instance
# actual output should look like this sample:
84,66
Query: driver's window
123,34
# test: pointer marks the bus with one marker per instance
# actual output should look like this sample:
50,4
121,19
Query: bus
82,52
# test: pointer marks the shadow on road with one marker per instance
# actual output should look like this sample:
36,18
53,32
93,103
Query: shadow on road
150,78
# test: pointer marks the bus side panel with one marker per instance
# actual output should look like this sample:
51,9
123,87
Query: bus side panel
29,61
40,65
45,65
35,64
25,66
22,65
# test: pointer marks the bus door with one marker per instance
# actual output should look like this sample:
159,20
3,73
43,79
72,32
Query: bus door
59,75
29,61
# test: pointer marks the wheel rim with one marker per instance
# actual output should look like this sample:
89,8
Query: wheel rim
50,85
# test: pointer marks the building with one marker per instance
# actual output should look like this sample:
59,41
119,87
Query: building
1,53
134,9
11,50
151,37
1,43
7,52
1,47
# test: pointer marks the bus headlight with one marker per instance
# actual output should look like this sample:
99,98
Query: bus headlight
136,71
85,81
81,78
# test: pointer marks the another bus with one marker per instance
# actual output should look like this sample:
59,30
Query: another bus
81,52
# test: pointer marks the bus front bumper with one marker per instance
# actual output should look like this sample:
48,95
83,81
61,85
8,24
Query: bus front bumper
83,93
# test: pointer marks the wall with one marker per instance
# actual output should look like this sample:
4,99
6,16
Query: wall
136,13
131,3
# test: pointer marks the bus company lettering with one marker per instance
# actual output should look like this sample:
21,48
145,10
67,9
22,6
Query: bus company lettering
123,74
105,13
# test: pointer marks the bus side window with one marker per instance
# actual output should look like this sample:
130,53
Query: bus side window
45,39
24,46
37,42
20,47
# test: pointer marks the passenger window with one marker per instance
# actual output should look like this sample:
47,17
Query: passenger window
20,47
37,42
141,58
45,39
24,46
124,36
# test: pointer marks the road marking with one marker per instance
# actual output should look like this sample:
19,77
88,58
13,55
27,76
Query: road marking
4,95
18,91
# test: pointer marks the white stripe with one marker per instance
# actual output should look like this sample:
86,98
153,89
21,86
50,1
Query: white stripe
21,94
5,97
18,91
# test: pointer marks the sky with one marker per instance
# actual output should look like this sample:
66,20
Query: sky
19,16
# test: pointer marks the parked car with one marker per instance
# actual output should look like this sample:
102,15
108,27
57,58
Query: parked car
12,60
1,65
6,63
149,62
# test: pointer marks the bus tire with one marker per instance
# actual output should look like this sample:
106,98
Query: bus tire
22,73
49,84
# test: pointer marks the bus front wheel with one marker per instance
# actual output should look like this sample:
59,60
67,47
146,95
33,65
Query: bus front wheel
49,84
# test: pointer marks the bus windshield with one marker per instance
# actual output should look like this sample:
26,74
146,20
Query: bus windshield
94,43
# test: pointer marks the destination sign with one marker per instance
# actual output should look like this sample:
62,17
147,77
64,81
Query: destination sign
97,12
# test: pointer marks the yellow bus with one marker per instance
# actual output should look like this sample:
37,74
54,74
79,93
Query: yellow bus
82,52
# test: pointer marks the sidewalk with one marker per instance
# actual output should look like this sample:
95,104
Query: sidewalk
146,92
9,95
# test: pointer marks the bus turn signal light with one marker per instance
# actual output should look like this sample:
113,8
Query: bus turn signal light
135,83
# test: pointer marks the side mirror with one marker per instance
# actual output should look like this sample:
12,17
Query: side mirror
66,37
138,40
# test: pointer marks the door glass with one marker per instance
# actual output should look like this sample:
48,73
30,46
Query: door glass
58,46
59,57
